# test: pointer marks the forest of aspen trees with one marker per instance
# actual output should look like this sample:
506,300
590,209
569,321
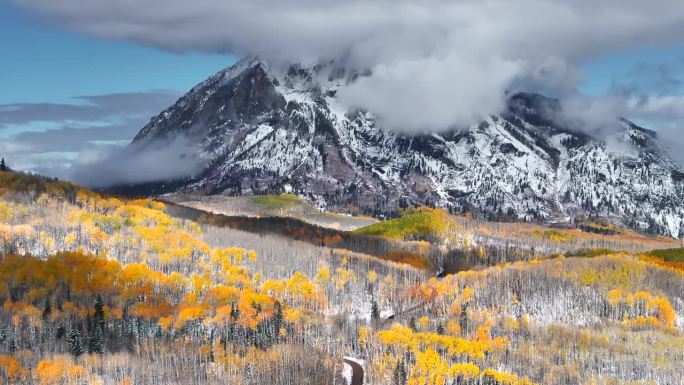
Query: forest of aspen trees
98,289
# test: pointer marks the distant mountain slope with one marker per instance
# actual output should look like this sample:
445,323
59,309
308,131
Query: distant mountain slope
259,130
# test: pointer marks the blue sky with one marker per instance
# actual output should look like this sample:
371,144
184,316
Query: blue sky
601,73
45,70
66,95
42,63
45,63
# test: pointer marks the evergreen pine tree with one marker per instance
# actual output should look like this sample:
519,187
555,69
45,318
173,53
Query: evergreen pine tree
375,311
3,166
75,344
277,318
47,309
234,312
46,330
60,332
256,307
412,324
96,328
96,341
99,314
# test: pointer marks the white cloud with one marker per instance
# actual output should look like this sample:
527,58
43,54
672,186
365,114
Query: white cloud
74,129
666,113
449,60
161,160
420,95
670,107
598,116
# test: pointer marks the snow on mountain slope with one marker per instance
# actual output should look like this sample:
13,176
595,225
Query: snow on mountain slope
260,130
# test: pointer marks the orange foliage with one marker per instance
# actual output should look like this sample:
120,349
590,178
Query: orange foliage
51,372
643,309
13,370
412,259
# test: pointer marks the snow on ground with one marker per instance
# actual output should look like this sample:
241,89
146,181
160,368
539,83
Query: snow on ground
347,373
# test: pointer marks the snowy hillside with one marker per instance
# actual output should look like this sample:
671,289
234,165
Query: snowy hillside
259,130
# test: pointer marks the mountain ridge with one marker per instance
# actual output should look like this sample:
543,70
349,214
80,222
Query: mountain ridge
258,130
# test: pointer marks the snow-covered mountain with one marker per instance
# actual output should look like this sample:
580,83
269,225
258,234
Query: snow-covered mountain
262,130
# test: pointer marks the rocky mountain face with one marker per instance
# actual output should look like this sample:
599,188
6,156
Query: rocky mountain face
259,130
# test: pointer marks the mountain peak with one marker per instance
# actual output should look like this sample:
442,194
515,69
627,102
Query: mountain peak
244,64
235,70
261,129
533,102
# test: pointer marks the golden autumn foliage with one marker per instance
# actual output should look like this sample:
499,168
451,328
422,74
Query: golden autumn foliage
137,247
173,299
642,309
676,264
12,369
431,367
58,371
363,335
505,378
215,312
404,338
323,275
343,277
